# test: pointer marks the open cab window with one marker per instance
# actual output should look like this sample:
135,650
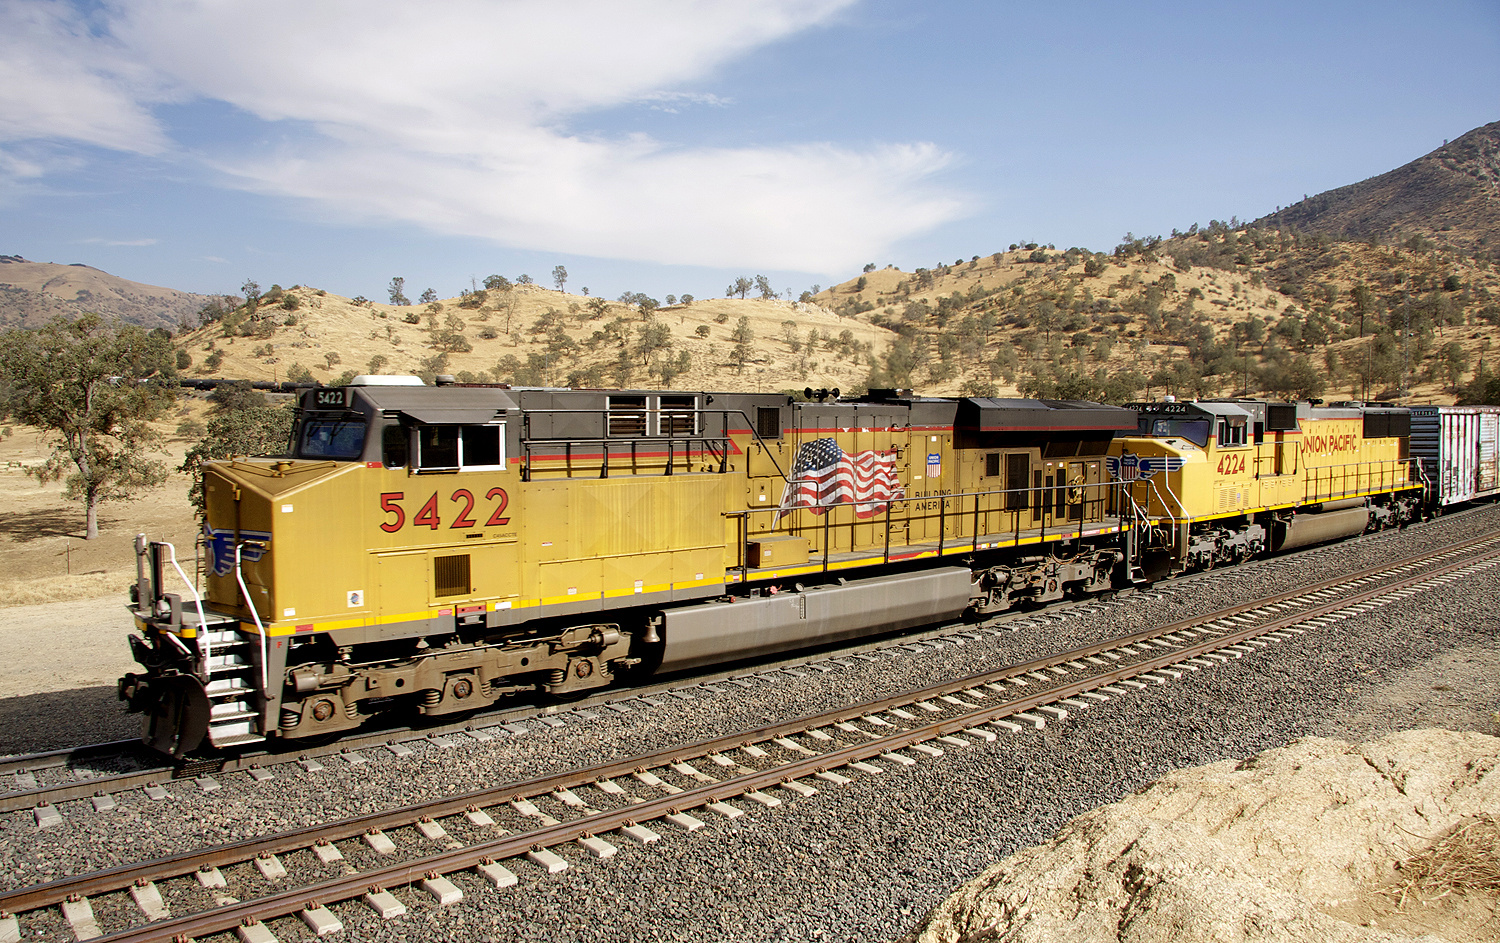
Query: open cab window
460,448
1232,431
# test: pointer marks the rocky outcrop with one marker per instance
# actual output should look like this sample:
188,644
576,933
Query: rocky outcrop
1297,843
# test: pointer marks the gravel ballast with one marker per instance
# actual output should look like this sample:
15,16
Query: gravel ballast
866,860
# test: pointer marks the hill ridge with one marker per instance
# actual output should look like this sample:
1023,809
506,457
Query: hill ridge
1451,194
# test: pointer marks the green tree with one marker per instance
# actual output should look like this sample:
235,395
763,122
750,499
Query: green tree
450,337
1362,303
241,423
559,276
653,338
1453,360
397,289
428,296
92,389
672,369
743,337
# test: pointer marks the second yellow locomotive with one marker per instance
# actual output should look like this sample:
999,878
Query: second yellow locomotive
1217,481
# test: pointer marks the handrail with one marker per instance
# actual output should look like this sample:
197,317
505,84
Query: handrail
725,437
1048,521
203,640
264,650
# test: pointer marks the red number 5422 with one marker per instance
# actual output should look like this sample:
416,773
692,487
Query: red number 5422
429,514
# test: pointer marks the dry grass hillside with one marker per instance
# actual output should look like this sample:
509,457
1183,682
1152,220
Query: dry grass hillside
1224,311
34,292
530,335
1451,194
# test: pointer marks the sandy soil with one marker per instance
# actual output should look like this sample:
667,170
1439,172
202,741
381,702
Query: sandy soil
43,556
1303,842
63,620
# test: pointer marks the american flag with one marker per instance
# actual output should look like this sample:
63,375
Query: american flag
824,474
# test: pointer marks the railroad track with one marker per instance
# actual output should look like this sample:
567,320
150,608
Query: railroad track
477,838
94,773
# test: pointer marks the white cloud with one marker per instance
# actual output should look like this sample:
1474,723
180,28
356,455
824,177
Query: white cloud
807,208
464,117
59,80
101,241
670,101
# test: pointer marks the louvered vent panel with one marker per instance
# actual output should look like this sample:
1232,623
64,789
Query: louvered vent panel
451,575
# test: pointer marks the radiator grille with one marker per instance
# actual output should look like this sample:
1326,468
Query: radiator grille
451,575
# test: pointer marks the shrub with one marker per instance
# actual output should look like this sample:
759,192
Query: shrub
191,429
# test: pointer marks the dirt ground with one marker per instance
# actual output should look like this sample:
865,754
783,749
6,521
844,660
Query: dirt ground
43,556
62,594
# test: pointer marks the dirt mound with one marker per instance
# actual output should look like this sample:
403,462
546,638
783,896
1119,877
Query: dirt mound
1306,842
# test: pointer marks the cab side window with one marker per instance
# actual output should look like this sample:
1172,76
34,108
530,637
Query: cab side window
460,448
393,447
1231,432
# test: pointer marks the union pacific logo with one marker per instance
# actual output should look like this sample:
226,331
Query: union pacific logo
253,546
1135,467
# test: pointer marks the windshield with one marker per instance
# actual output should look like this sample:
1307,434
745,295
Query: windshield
332,437
1194,430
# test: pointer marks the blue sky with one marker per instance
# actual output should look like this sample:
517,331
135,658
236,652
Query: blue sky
667,146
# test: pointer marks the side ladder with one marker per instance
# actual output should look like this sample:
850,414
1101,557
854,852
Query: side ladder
233,670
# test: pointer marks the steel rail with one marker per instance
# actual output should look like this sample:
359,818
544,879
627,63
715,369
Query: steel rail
319,894
119,878
52,759
20,800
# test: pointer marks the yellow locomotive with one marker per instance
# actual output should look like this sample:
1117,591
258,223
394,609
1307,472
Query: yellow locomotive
1217,481
439,548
